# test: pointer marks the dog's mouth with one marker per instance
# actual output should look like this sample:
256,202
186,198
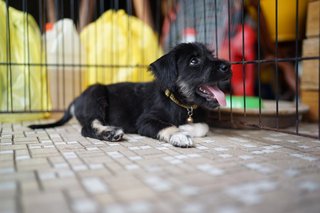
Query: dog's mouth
211,92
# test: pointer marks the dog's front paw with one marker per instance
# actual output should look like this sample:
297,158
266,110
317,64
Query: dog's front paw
114,134
104,132
181,139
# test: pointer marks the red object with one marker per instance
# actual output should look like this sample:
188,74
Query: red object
189,35
243,76
49,26
190,31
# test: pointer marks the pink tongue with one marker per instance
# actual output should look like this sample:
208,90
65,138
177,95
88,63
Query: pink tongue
218,94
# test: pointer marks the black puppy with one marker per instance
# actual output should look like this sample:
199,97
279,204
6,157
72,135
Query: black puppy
172,108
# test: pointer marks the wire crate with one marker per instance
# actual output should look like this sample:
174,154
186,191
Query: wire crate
51,50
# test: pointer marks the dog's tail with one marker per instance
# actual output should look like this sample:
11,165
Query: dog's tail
68,114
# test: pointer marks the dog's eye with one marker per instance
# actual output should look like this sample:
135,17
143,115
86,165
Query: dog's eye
194,61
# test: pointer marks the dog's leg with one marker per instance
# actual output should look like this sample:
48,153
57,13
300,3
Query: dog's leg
181,136
102,132
195,129
163,131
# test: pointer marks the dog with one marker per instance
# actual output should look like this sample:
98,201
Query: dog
172,108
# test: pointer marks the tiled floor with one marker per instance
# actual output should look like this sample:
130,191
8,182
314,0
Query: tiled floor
230,171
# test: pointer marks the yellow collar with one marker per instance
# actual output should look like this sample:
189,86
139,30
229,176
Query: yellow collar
189,108
172,98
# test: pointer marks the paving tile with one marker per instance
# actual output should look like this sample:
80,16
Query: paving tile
64,173
59,184
47,174
6,163
77,193
29,187
105,198
120,183
7,187
56,159
96,159
8,205
7,169
44,202
32,164
10,174
114,167
134,194
58,170
84,205
94,185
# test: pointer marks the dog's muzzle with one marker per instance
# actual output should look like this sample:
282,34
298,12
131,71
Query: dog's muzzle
211,91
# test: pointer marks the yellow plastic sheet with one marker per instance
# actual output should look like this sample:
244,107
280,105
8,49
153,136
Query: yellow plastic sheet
118,48
287,15
22,81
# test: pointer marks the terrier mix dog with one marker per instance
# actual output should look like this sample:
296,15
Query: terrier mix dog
172,108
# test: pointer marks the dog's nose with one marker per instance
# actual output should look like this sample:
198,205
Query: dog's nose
224,67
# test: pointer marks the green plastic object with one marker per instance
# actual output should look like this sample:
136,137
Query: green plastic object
248,102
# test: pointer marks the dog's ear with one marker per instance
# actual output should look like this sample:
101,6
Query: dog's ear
165,70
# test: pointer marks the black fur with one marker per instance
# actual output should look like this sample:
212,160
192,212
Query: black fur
144,108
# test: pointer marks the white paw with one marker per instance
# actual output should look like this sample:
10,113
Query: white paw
195,129
165,134
181,139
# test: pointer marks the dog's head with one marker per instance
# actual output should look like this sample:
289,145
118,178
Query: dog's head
192,74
